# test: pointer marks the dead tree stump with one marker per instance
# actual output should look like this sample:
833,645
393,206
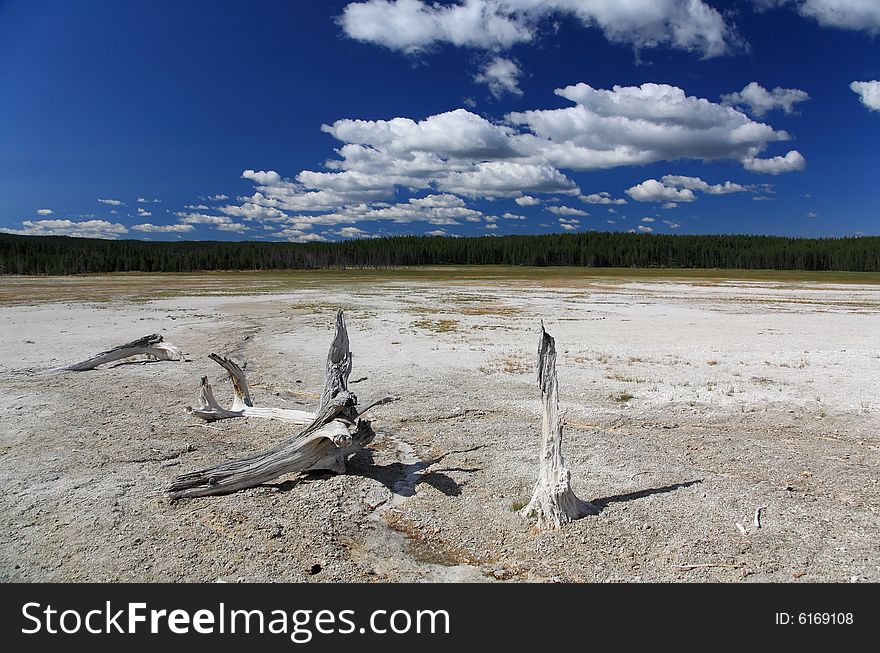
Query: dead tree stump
553,502
330,436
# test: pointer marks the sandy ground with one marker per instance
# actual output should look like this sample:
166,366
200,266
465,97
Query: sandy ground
688,406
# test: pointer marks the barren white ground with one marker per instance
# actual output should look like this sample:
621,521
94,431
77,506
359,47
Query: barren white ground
689,406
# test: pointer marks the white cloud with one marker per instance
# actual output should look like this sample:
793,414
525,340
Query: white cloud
197,207
351,232
672,189
869,93
567,210
759,100
218,198
45,211
506,178
846,14
163,228
298,236
460,154
501,75
601,198
649,220
414,25
645,229
220,222
85,229
436,232
636,125
671,224
144,200
695,183
811,214
251,211
491,225
143,213
111,202
792,161
652,190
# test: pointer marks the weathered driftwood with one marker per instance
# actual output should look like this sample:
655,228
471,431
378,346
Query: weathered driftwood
152,345
553,503
210,410
332,434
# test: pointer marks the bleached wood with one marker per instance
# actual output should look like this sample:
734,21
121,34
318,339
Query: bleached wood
152,345
339,360
553,502
210,410
333,434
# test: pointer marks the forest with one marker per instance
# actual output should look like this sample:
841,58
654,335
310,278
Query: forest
63,255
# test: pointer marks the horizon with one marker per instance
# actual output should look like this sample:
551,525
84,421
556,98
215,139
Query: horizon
315,122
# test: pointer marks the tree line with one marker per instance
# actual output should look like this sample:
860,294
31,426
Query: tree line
62,255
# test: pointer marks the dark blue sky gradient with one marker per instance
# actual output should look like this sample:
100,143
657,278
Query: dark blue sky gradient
174,99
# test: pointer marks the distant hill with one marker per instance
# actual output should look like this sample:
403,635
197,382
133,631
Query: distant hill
65,255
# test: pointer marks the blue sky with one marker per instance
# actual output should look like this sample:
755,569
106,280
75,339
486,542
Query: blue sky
303,121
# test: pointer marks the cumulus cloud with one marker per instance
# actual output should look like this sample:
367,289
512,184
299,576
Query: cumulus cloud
567,210
601,198
294,235
351,232
45,211
436,232
759,100
415,25
459,154
645,229
220,222
144,200
861,15
111,202
501,75
869,93
143,213
218,198
792,161
652,190
672,189
85,229
649,220
695,183
163,228
635,125
671,224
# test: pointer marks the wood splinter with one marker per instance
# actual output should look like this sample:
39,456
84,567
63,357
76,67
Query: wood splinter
331,434
153,346
553,503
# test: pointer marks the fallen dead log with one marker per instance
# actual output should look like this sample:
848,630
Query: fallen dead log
153,346
553,502
330,436
210,410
